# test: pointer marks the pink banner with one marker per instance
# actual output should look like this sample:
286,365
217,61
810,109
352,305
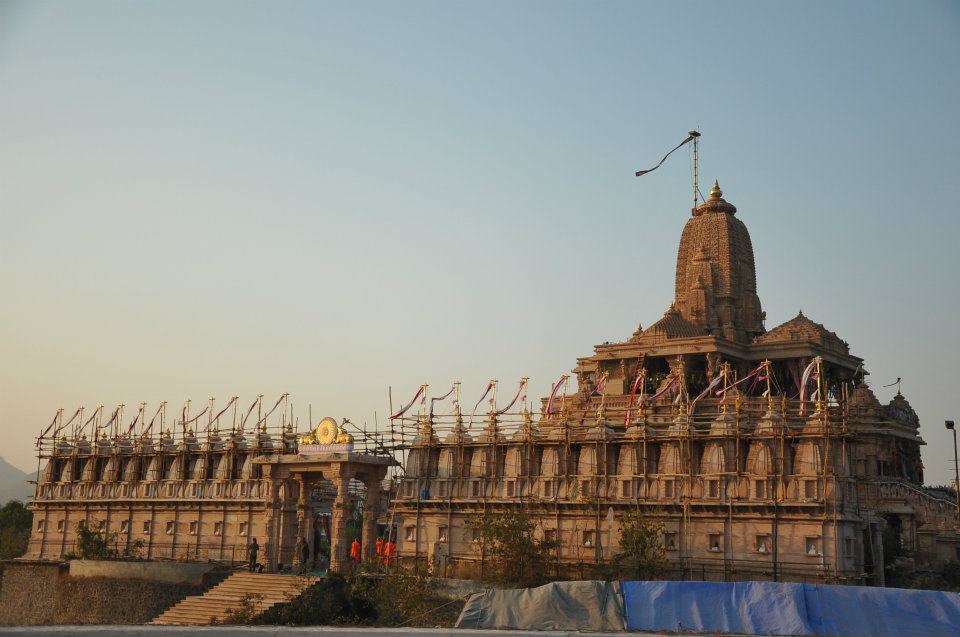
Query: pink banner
409,404
553,394
516,396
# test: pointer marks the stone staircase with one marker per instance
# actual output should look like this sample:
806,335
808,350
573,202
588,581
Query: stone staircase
200,609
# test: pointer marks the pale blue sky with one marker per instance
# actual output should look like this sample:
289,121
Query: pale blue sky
233,198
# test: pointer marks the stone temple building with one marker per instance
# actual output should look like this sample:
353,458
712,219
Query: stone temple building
787,468
762,452
187,497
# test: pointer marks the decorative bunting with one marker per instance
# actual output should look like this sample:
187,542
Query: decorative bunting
409,404
601,385
674,383
638,382
716,381
553,393
217,417
444,397
523,383
806,378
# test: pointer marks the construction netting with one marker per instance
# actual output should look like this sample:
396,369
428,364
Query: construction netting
753,608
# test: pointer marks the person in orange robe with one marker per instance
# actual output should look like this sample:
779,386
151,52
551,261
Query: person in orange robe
391,551
355,550
379,545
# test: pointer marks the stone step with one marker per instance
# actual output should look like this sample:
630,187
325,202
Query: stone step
200,609
262,587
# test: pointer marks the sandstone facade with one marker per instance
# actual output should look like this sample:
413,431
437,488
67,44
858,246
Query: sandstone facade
758,484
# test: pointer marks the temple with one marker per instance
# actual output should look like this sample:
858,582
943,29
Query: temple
763,453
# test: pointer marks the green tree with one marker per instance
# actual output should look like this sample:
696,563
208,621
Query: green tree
404,597
94,545
15,523
98,545
511,553
641,548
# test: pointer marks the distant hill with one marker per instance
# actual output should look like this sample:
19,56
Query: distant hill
13,483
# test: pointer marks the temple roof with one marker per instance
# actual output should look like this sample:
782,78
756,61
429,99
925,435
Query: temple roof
673,325
800,329
862,396
900,410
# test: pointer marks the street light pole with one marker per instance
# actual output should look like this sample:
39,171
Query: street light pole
956,466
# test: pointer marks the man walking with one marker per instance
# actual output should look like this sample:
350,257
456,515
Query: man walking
252,551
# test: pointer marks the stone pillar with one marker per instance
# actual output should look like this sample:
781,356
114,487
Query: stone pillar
339,550
371,509
271,543
301,520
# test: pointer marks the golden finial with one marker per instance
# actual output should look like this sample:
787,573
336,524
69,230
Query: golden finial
715,192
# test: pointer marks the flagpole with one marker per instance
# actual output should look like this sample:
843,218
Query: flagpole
821,402
766,366
563,399
456,386
696,166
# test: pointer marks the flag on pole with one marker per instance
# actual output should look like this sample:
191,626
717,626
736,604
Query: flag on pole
806,378
689,139
523,383
672,385
485,392
633,392
716,381
409,404
444,397
243,422
601,385
553,394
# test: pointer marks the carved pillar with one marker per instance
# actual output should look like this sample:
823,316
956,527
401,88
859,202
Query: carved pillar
339,550
371,509
271,544
301,520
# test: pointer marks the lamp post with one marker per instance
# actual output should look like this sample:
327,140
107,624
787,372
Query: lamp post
956,467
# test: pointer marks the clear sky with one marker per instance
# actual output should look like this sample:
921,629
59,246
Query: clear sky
328,199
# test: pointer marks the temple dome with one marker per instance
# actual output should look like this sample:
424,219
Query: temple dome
800,329
863,397
900,410
716,281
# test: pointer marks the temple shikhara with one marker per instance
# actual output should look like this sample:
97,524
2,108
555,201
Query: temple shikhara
762,453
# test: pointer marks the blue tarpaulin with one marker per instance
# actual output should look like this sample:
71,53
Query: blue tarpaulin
770,608
754,608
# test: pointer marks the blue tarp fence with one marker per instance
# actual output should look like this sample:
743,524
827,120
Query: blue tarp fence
771,608
752,608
